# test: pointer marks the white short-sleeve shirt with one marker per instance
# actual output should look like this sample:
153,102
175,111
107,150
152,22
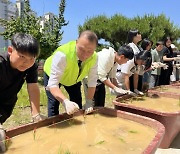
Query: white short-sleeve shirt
127,68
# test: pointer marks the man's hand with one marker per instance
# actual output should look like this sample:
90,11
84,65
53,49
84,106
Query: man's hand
2,139
131,93
119,91
38,117
88,106
70,106
138,92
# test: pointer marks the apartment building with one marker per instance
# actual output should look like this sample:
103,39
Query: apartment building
8,10
47,17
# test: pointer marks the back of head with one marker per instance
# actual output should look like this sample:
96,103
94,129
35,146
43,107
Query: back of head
131,35
91,36
143,55
127,51
25,44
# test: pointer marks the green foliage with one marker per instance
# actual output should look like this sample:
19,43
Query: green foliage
115,29
48,38
52,35
27,23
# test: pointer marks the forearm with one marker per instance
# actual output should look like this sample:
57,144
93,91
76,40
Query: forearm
57,93
126,82
135,80
109,83
34,97
90,92
167,59
114,81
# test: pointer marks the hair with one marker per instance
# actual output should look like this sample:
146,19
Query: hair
127,51
131,35
166,39
151,42
159,43
142,55
146,57
91,36
25,44
145,43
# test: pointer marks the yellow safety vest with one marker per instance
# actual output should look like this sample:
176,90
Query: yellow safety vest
71,72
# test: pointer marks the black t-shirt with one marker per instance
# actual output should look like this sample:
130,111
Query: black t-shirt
169,54
11,80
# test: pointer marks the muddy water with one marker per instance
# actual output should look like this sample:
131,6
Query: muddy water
162,104
97,134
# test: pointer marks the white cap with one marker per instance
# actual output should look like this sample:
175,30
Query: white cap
173,46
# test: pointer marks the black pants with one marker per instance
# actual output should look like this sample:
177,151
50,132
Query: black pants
131,80
165,76
100,94
6,108
74,92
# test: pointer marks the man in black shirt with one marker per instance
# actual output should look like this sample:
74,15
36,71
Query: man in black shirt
16,66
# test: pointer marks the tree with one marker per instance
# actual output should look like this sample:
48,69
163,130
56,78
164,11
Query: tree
157,27
115,29
48,38
52,34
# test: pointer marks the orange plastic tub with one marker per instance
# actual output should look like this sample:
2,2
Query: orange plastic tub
171,121
150,149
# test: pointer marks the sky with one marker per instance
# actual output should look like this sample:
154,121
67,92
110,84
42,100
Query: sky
77,11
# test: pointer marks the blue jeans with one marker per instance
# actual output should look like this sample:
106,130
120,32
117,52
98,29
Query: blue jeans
154,81
146,76
74,92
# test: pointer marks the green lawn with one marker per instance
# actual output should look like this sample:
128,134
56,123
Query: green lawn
22,113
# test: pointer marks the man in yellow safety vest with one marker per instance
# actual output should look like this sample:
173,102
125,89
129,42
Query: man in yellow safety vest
67,66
